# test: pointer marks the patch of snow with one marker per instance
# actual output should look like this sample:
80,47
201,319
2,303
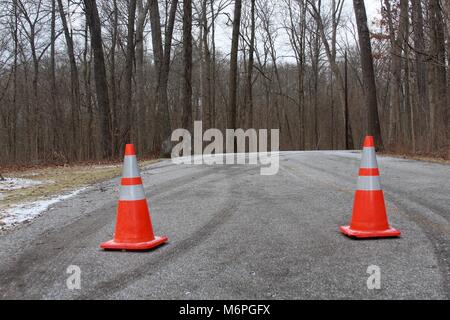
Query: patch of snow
345,154
107,166
17,183
28,211
32,174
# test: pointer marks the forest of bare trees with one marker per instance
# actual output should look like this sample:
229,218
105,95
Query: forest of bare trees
81,78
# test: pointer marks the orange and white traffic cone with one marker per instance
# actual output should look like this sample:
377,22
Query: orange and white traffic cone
369,218
134,229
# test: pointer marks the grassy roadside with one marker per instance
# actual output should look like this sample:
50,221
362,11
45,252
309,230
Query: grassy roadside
58,180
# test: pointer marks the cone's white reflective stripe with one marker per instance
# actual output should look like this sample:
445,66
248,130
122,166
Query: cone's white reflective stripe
130,167
132,193
369,158
371,183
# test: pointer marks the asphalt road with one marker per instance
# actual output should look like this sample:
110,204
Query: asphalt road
234,234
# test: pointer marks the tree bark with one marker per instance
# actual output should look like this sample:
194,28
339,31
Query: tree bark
206,78
251,62
101,85
187,60
423,107
90,150
400,106
437,80
370,92
55,122
140,76
113,114
214,69
12,132
130,111
74,78
232,94
162,66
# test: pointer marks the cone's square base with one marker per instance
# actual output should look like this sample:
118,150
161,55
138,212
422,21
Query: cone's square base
388,233
140,246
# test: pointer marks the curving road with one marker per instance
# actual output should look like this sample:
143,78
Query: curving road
234,234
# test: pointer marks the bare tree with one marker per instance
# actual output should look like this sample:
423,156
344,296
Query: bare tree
397,130
206,85
421,66
55,123
232,106
129,73
373,123
265,15
113,114
250,66
296,29
101,85
162,65
330,46
74,78
140,74
86,67
187,73
33,15
437,78
82,71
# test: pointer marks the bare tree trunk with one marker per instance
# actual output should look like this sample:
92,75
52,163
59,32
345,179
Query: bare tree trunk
438,81
187,59
36,106
90,150
113,117
232,107
347,129
74,78
315,65
12,132
213,71
370,92
447,129
251,62
423,108
409,113
140,77
405,106
130,111
34,117
100,76
161,106
55,120
206,77
398,36
162,65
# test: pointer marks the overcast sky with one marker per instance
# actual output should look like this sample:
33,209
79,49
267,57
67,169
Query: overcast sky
373,8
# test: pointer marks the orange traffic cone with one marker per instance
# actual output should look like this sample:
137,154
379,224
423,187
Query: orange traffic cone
134,229
369,218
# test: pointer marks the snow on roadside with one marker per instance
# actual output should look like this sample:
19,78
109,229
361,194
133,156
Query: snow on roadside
18,183
30,210
346,154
